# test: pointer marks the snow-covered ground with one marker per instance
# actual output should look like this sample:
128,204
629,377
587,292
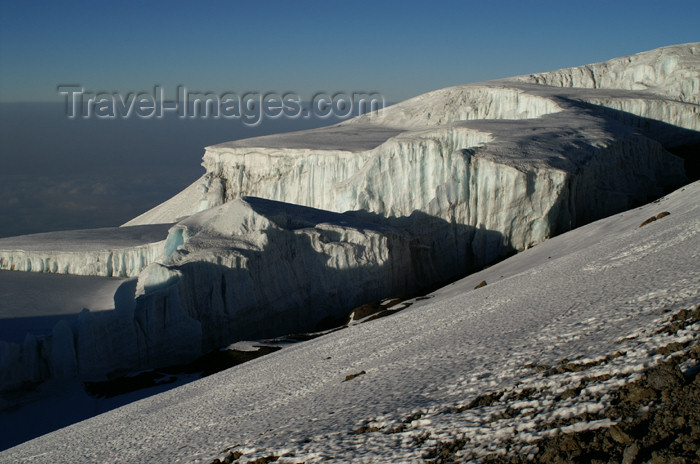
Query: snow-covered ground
583,296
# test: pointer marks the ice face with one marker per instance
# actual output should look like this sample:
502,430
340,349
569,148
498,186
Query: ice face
109,252
669,71
519,176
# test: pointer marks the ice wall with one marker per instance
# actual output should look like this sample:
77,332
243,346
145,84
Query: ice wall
337,181
313,174
109,252
255,267
244,269
511,176
428,131
127,262
661,85
463,103
669,71
137,335
669,122
252,267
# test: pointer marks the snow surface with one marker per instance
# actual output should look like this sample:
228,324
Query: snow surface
584,295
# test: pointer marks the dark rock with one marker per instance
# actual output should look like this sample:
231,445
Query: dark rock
618,435
352,376
630,453
670,348
648,221
646,431
664,377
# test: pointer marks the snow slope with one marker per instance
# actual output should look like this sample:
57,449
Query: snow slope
585,295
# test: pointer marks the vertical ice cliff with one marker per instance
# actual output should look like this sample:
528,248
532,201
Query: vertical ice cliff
672,72
284,231
138,334
248,268
522,177
255,267
109,252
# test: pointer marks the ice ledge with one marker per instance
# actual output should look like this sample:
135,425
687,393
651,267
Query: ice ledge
108,252
671,71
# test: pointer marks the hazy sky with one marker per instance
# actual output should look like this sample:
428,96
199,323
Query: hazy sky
399,49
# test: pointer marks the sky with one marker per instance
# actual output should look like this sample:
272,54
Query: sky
399,49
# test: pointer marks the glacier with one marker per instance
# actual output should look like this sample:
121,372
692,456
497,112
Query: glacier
325,168
286,231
